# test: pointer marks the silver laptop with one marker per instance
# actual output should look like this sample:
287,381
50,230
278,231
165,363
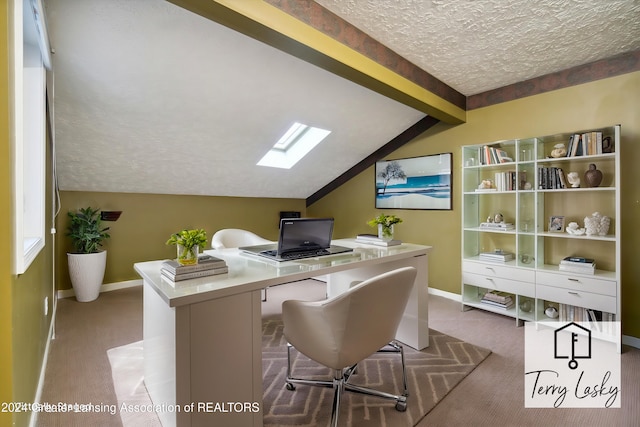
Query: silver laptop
300,238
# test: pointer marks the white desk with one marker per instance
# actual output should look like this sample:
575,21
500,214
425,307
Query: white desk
202,337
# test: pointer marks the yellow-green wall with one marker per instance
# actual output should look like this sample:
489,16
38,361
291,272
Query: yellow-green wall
6,359
597,104
148,220
24,327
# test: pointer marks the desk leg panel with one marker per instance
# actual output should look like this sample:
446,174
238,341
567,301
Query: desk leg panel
205,359
414,327
226,361
159,349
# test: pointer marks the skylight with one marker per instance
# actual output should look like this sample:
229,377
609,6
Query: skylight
296,142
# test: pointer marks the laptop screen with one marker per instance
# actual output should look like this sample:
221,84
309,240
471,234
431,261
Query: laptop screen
301,234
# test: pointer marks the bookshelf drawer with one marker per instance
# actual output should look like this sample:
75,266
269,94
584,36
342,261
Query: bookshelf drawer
577,282
497,270
500,284
577,298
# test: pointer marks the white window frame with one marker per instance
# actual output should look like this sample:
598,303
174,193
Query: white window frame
29,141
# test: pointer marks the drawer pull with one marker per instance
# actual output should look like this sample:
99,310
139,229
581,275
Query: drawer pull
574,280
490,268
573,293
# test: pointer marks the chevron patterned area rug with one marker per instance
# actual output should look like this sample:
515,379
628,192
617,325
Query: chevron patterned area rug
431,373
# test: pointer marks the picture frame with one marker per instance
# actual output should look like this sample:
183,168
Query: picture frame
423,182
556,224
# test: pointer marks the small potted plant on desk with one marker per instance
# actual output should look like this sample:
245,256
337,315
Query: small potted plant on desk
188,243
88,262
385,225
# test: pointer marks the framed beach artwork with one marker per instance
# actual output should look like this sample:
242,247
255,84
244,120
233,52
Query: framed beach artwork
414,183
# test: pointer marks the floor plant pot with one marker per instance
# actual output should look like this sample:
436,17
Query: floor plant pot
87,272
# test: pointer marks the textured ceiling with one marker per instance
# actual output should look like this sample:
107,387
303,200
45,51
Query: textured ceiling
479,45
151,98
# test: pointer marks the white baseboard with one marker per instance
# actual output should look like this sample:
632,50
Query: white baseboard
33,420
631,341
626,339
445,294
68,293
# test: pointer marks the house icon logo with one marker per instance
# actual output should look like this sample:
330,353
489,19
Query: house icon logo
578,347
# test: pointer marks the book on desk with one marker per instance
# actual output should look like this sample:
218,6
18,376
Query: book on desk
207,265
373,239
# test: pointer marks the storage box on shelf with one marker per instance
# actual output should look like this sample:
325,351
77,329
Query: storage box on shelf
536,182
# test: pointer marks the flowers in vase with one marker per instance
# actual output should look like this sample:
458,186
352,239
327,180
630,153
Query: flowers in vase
188,243
386,223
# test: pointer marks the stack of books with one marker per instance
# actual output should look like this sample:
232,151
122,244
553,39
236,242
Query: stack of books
576,264
207,266
496,256
498,226
497,299
373,239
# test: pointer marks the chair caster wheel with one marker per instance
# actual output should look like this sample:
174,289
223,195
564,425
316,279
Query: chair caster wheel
292,387
401,406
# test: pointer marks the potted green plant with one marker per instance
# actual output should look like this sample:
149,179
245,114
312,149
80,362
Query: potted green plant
88,261
385,225
188,243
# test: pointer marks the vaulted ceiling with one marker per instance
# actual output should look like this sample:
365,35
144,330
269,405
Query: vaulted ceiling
153,98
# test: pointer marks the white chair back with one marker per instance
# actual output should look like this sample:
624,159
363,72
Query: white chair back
234,238
343,330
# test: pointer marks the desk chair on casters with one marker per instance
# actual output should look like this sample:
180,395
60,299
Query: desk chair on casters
343,330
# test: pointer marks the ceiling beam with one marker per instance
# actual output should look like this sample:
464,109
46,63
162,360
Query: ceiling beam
271,25
397,142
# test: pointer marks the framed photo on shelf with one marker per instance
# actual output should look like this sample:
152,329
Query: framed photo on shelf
414,183
556,224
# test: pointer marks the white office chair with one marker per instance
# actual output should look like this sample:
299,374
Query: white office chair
343,330
234,238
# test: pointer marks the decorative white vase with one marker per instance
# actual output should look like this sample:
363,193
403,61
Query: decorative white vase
87,272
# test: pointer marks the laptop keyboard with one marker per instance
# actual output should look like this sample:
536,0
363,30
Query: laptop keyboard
298,255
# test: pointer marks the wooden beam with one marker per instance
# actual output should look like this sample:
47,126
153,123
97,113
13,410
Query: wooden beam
397,142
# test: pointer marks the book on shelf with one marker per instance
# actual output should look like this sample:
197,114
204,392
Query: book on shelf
193,274
510,180
498,296
205,262
577,259
493,155
551,178
372,239
577,264
485,190
504,306
601,320
585,144
496,256
503,226
577,269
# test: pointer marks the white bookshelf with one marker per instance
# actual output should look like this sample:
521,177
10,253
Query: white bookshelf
534,275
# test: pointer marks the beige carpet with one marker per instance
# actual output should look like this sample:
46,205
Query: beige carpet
431,373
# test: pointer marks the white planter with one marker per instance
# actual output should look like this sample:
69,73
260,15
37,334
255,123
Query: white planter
87,272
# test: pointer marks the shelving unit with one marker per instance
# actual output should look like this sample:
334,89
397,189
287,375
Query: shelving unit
533,276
